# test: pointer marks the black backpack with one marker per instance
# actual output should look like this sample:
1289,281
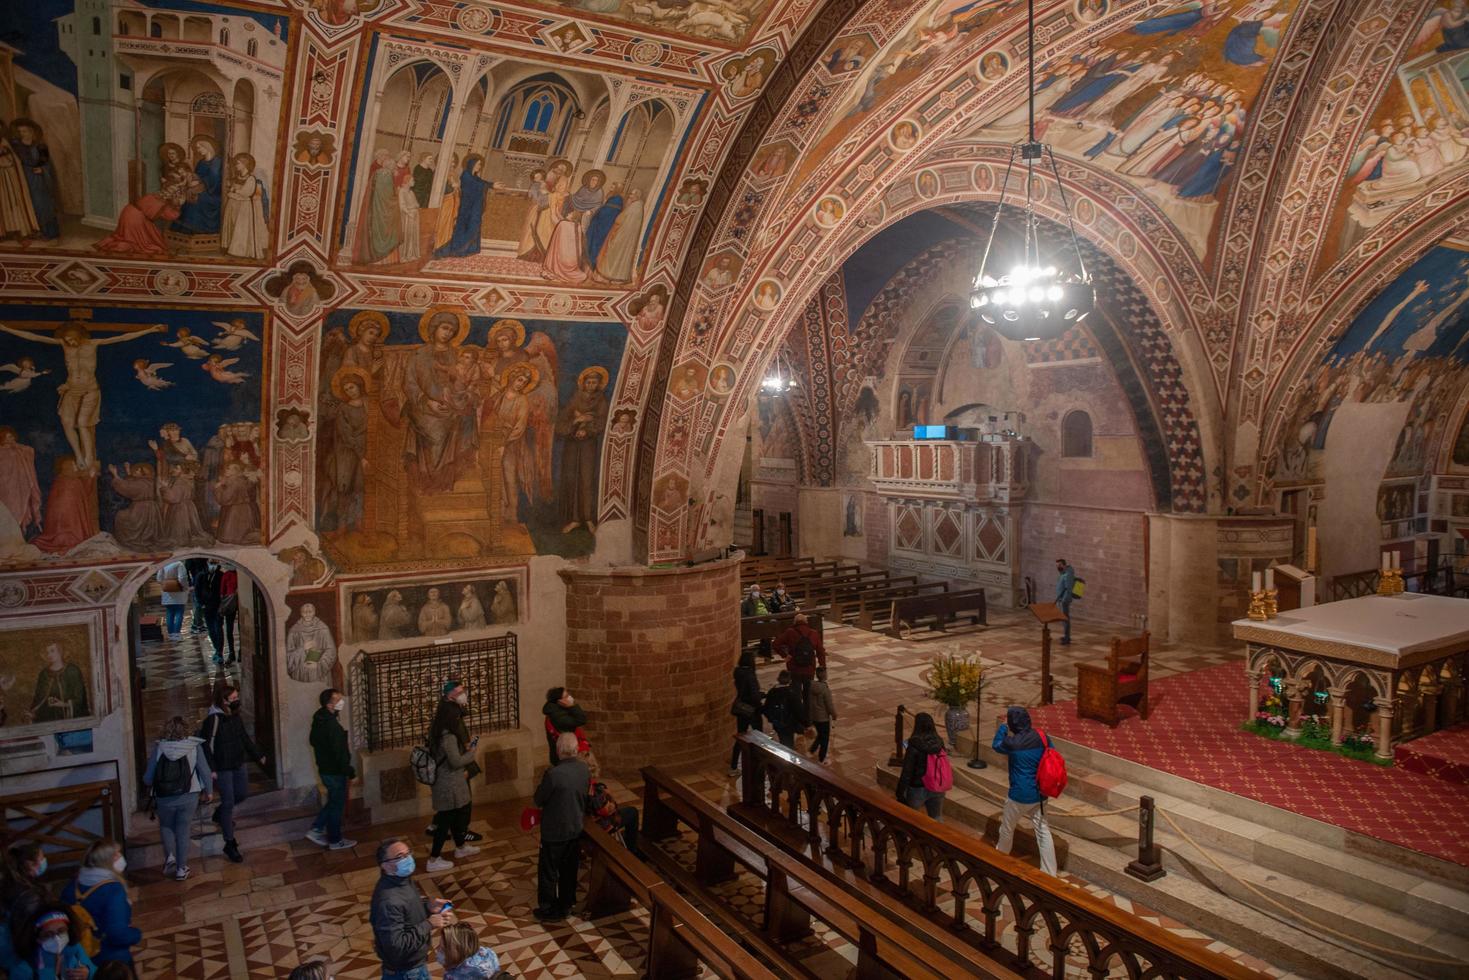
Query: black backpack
777,705
172,777
804,655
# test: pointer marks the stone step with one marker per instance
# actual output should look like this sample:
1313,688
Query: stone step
1195,893
1352,876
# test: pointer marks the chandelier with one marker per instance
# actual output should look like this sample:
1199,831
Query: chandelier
781,377
1034,300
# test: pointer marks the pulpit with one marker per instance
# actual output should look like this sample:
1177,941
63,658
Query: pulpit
1120,679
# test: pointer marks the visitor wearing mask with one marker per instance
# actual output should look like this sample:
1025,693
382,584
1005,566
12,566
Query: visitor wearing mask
227,747
463,957
180,779
403,920
756,604
448,739
45,949
22,894
99,888
334,767
563,714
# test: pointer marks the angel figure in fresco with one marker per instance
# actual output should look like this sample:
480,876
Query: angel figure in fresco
218,368
25,372
146,372
189,344
1193,16
1451,21
80,407
234,336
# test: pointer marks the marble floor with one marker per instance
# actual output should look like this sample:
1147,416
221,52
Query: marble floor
293,901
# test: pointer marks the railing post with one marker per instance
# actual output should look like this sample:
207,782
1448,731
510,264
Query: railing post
1149,863
897,757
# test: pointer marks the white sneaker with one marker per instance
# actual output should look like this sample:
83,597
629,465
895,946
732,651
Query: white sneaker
342,845
181,874
317,837
435,865
169,867
465,850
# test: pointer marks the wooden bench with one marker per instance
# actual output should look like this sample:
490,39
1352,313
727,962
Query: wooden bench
750,574
753,629
937,611
680,937
843,602
802,582
891,939
874,608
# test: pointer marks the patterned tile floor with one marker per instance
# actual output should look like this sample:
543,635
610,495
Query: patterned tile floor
294,901
1443,755
1193,730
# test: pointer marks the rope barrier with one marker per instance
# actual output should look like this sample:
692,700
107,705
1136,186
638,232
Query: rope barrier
992,794
1296,913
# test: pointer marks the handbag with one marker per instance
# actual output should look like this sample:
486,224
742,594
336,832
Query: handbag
743,709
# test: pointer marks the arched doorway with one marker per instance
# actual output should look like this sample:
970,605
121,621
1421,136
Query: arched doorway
175,673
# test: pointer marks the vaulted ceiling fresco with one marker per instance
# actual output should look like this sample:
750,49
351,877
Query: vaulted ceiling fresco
633,193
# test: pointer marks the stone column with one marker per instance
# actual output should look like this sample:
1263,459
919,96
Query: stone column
1295,694
1384,728
1253,675
649,653
1339,711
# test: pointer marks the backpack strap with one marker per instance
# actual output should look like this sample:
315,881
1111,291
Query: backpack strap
84,895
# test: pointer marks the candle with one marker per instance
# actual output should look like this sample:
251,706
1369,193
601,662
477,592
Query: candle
1310,549
1386,558
1256,582
1269,578
1395,562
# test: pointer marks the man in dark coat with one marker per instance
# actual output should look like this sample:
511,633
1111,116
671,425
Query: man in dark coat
334,766
403,920
562,797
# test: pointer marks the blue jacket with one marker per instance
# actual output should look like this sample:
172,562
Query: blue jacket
107,903
72,957
1024,747
1064,584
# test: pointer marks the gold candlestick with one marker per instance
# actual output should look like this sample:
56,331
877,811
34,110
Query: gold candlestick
1272,605
1390,582
1257,605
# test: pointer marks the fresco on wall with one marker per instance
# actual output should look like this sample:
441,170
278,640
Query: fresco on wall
726,21
520,173
437,607
48,680
311,636
140,129
126,431
443,435
1417,137
1461,444
1410,344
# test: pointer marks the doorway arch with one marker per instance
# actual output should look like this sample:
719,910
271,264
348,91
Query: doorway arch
177,677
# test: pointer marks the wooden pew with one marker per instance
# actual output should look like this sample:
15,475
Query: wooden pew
937,611
754,568
823,591
843,602
874,608
892,940
767,578
753,629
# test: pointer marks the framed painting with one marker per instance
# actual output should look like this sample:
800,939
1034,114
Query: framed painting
52,674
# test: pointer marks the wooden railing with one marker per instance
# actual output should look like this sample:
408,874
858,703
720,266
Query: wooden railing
1440,579
680,937
871,833
57,819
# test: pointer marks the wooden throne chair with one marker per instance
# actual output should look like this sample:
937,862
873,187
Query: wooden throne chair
1120,679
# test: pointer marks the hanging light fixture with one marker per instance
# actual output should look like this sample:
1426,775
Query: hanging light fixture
1034,300
780,378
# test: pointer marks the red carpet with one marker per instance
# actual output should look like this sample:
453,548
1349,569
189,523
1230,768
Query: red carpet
1442,755
1193,731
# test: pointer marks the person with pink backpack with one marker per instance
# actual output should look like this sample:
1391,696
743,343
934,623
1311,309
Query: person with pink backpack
926,774
1033,777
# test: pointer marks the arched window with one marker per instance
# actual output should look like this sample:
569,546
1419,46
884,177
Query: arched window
97,26
224,35
538,114
251,47
1076,434
155,29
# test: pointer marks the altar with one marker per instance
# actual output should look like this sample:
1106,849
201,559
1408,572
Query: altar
1398,663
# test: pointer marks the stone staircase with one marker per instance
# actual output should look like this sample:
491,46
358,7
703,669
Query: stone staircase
1376,892
269,818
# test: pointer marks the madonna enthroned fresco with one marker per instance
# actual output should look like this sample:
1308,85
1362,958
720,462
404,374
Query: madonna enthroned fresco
450,436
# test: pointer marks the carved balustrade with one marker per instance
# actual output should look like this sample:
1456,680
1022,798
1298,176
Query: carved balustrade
871,833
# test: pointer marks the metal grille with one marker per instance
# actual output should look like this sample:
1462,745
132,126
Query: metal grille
404,687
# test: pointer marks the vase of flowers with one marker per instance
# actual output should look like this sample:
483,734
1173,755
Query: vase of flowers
954,681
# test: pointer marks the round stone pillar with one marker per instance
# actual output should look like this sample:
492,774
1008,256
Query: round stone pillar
649,652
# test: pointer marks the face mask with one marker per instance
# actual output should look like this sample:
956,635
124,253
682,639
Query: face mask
120,865
462,699
41,868
55,944
339,705
404,866
440,956
235,706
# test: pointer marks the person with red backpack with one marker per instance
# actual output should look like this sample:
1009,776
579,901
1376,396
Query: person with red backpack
1030,782
801,647
926,774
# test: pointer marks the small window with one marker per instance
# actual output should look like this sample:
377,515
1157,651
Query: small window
251,47
155,29
125,82
1076,434
224,35
97,26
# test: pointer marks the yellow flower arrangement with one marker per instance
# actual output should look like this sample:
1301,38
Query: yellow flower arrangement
954,680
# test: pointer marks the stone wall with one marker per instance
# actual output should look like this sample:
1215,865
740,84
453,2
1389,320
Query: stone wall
648,654
1106,547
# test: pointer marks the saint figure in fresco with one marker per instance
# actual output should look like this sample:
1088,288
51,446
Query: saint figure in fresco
580,426
200,213
473,190
61,690
311,652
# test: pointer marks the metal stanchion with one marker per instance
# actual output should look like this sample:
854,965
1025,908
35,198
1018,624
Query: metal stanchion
976,762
